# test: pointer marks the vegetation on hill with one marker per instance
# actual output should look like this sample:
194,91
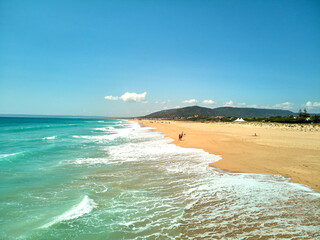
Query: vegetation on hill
189,112
303,117
229,114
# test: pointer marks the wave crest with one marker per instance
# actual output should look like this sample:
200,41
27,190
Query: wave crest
84,207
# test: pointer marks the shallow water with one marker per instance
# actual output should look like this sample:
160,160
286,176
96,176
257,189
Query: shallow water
112,179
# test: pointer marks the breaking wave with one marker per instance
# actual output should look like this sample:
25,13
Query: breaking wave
84,207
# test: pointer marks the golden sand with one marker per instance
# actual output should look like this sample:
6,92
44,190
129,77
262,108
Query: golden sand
289,150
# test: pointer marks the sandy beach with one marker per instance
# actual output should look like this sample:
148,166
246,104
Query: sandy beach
289,150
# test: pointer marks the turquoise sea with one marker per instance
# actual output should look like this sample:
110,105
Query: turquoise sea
113,179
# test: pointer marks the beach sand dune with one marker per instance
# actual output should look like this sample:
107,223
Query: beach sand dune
270,148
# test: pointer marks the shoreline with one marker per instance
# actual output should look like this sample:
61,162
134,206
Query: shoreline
279,149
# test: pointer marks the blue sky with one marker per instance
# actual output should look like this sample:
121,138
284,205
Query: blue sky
129,58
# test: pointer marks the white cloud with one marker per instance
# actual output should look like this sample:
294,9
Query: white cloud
130,97
242,104
229,104
252,106
310,104
190,101
265,107
165,108
177,107
111,98
208,102
134,97
285,105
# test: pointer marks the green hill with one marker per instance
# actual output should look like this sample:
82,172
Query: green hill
221,111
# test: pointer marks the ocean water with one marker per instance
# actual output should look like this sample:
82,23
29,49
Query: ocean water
113,179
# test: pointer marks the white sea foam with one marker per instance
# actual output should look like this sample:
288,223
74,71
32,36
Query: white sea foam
76,136
101,129
89,161
105,129
84,207
166,178
116,133
147,145
158,150
49,138
100,138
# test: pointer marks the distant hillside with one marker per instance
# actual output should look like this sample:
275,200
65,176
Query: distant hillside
221,111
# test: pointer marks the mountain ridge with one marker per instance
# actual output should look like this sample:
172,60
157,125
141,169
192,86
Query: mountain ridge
220,111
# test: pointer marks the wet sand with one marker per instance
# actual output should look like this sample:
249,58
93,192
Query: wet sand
288,150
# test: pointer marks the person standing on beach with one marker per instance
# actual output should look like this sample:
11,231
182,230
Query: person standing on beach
180,136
